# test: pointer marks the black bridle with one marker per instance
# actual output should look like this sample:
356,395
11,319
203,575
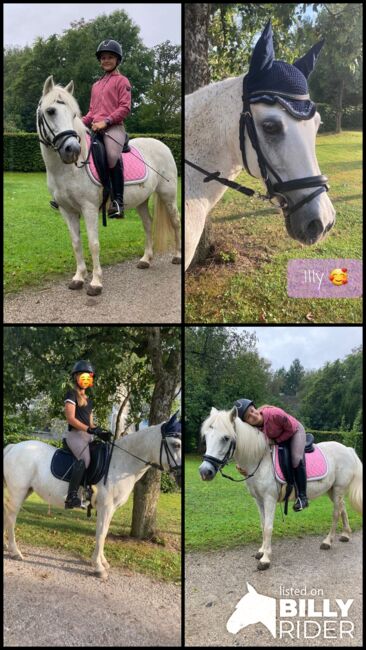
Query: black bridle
274,190
55,137
219,463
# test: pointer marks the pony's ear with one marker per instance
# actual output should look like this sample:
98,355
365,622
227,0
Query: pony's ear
48,85
213,411
233,413
70,87
251,589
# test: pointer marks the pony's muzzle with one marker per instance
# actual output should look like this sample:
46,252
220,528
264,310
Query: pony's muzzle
207,471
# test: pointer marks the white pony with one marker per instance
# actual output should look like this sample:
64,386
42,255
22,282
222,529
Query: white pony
228,437
27,469
60,126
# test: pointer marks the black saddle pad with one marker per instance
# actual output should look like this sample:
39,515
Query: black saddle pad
63,459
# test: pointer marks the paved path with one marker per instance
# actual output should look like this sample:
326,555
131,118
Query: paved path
130,295
52,599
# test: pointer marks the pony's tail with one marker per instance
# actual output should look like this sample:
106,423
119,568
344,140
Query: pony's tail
163,231
355,488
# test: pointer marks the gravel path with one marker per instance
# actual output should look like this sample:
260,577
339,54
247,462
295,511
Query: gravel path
216,581
51,599
130,295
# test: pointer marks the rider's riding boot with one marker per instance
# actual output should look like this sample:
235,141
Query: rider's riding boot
116,210
54,205
300,480
72,499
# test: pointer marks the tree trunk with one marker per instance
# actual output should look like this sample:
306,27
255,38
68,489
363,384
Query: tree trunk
196,21
197,74
147,489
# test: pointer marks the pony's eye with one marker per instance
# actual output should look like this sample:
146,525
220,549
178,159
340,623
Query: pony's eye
226,438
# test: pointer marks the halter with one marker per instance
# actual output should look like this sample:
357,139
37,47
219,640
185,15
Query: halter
273,189
44,136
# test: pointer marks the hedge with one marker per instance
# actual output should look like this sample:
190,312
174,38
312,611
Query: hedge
22,152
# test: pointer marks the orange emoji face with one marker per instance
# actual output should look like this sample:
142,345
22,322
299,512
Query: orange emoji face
338,277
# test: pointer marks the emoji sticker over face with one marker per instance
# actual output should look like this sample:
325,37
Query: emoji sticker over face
86,380
338,277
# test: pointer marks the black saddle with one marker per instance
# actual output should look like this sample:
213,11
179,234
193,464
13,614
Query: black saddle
63,459
284,459
101,163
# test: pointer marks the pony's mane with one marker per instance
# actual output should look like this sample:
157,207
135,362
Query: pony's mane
250,442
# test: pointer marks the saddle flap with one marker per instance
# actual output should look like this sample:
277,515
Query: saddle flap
63,460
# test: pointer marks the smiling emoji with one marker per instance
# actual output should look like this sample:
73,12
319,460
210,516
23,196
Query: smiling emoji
338,277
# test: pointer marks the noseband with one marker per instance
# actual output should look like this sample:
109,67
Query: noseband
44,135
219,463
274,190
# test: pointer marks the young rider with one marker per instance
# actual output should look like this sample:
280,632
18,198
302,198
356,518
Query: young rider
279,426
110,104
78,412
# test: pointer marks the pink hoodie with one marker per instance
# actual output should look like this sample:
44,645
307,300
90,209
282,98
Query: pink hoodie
110,99
278,424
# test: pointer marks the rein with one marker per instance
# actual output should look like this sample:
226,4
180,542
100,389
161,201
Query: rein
173,467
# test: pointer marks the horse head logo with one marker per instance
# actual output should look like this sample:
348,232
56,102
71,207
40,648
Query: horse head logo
253,608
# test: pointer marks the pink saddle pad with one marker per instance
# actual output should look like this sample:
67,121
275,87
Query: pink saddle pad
316,465
134,166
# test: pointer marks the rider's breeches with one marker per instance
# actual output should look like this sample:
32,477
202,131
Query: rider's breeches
114,147
78,441
298,441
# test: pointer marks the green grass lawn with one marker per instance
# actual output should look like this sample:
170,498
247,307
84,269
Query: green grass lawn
37,244
221,514
73,532
245,279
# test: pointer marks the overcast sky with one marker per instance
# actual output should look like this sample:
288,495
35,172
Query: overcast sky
23,22
314,346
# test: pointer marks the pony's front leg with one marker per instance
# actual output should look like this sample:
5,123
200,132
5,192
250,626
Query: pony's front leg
269,513
91,221
72,220
104,516
260,505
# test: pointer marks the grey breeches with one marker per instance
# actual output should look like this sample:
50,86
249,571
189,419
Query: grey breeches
114,147
78,441
298,445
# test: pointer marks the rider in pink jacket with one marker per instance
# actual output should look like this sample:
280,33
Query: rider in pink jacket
279,426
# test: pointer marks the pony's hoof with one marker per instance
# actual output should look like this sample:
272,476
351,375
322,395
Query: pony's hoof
344,538
76,284
258,555
143,265
102,575
17,556
262,566
177,260
325,546
93,291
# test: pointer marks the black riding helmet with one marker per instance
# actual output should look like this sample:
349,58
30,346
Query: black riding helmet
109,46
242,405
82,366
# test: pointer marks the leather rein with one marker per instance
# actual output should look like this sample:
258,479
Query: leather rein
274,190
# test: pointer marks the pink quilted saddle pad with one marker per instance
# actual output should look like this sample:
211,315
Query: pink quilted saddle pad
134,167
316,465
